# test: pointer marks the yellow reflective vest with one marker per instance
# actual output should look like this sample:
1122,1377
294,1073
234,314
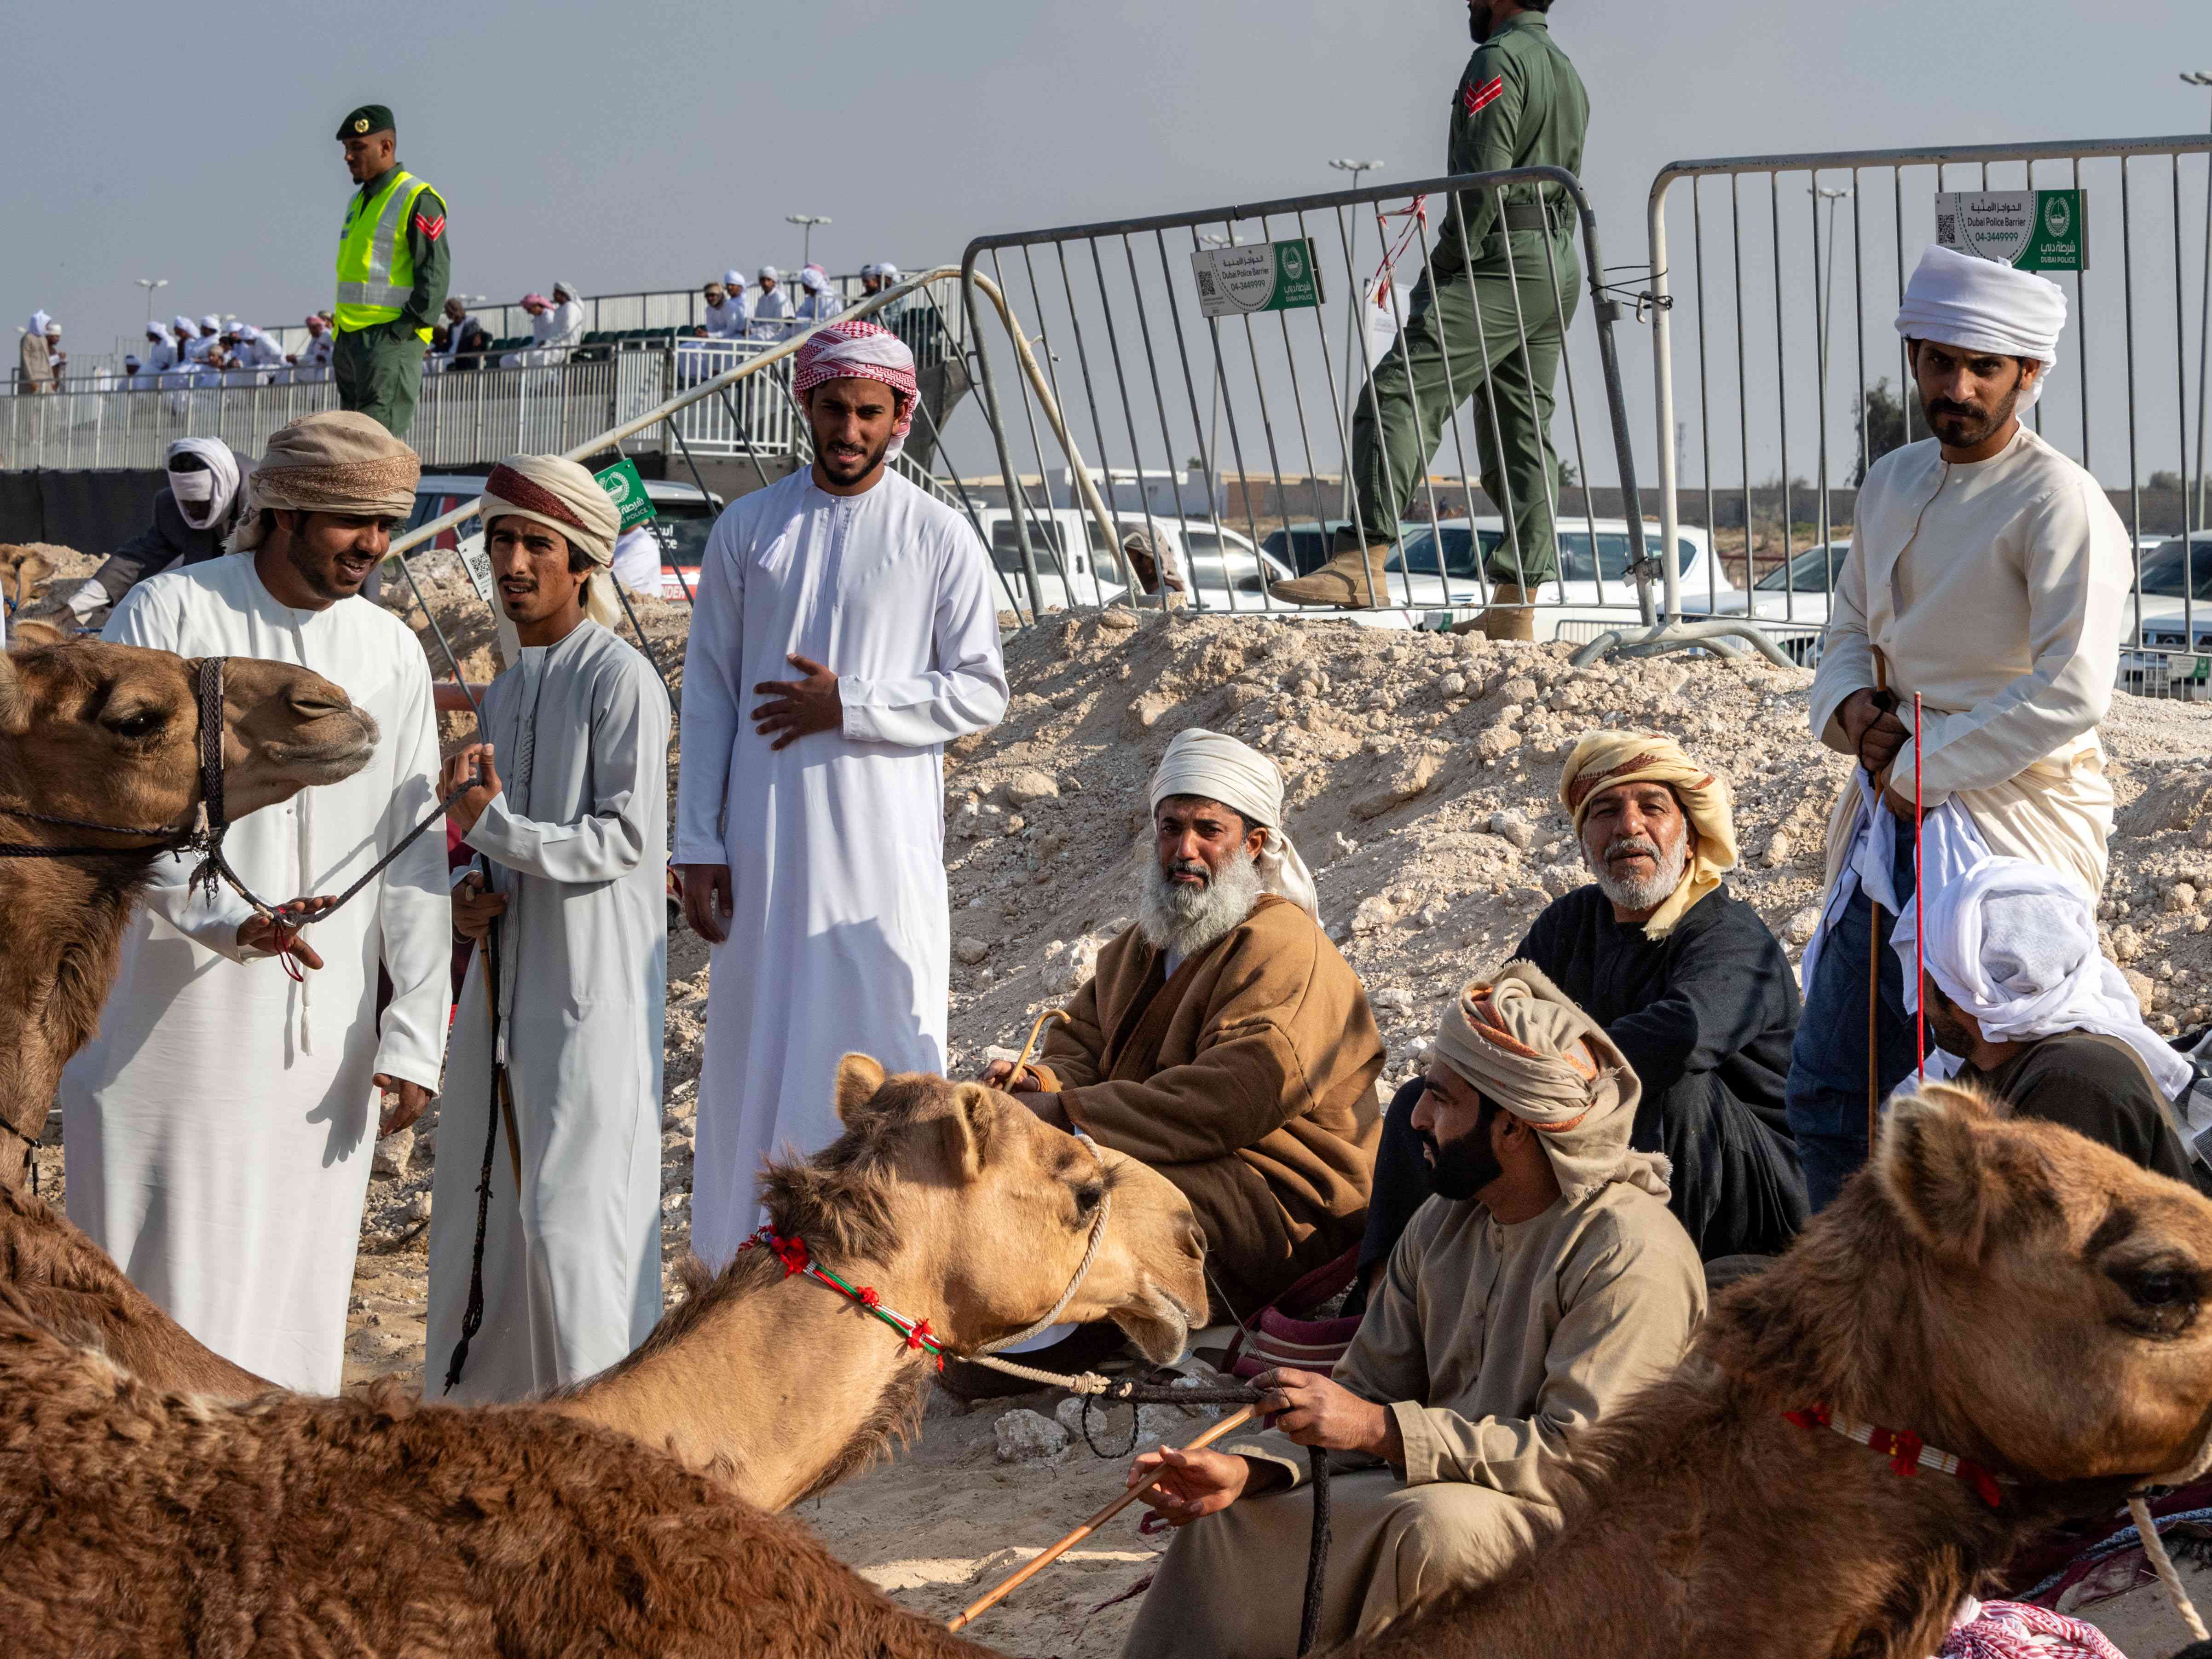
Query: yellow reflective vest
376,266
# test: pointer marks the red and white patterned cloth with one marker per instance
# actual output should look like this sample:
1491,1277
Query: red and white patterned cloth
2016,1629
861,351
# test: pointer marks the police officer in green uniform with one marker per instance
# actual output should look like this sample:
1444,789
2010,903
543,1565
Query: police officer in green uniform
393,265
1520,104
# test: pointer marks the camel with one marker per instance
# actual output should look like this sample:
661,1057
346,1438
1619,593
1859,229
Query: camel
108,734
2010,1291
381,1524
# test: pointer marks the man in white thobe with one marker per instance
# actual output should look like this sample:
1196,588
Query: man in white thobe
810,813
728,308
221,1124
822,301
1989,573
770,313
572,825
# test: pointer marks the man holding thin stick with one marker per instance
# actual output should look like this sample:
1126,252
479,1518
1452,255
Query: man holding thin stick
569,816
1987,576
221,1124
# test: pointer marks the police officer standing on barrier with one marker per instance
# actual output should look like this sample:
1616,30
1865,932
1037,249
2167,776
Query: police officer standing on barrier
1520,104
393,265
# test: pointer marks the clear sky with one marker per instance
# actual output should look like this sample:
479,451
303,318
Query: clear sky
648,145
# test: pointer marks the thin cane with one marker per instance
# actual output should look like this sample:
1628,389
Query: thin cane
1007,1586
1029,1047
1885,701
1919,916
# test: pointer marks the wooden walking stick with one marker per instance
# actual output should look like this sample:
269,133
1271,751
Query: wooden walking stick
1007,1586
1885,703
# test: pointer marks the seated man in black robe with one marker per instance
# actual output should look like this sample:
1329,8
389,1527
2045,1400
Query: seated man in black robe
1687,981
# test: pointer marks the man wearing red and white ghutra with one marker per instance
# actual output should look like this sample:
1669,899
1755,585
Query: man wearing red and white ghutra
844,632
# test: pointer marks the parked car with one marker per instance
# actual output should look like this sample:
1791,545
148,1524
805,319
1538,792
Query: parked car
1074,558
684,517
1789,601
2171,640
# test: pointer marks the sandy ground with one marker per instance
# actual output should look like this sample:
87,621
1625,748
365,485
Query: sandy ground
1422,770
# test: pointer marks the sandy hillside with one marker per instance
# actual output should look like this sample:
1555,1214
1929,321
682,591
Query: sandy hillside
1422,770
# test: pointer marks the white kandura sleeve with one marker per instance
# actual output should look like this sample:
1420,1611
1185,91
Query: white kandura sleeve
2077,566
968,694
151,617
414,910
713,657
630,745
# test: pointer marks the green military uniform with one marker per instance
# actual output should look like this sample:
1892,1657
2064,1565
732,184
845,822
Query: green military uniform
395,225
1520,104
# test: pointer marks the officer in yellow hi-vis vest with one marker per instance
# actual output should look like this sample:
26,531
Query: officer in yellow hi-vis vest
393,264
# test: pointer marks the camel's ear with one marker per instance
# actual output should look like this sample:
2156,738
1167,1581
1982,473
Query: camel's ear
966,1130
1931,1163
35,633
858,1077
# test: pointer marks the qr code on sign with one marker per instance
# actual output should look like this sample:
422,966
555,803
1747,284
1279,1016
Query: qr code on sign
1205,285
1947,229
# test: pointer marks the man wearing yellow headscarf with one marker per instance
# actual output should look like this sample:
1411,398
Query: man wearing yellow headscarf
1687,980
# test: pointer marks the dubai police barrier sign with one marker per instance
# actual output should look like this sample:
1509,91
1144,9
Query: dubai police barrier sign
625,490
1236,282
2027,229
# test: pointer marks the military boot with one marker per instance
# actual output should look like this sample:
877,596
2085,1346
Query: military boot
1506,616
1344,581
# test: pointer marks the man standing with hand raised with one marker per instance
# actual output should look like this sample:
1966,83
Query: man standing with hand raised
810,815
575,837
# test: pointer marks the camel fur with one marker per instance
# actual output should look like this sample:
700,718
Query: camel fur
134,1520
109,734
2010,1291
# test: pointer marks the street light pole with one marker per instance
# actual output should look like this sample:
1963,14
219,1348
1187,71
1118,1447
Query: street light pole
149,284
1355,303
805,222
2200,78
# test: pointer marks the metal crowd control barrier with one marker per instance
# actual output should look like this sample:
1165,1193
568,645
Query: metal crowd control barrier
720,389
1770,372
1128,345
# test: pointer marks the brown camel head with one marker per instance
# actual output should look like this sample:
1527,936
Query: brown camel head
109,733
2033,1295
1002,1203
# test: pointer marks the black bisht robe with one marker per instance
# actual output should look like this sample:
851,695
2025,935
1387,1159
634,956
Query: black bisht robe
1707,1017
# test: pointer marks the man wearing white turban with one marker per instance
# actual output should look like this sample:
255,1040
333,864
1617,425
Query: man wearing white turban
1987,573
770,313
844,633
37,373
193,517
570,825
2018,988
1223,1040
822,301
1543,1283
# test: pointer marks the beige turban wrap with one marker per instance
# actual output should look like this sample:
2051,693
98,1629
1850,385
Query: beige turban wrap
1219,768
565,497
1524,1044
336,462
1602,760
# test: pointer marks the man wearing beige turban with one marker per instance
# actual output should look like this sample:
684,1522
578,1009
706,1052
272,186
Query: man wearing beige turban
1687,980
222,1121
569,821
1223,1041
1539,1287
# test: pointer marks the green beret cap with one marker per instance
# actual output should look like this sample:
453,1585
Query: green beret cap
369,118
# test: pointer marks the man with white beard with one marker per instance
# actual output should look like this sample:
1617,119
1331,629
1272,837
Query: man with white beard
1687,982
1223,1041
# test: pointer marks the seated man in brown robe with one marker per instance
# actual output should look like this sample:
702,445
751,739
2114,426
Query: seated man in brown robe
1223,1041
1539,1287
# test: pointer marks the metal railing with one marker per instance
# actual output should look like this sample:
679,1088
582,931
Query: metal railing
725,389
1781,334
1127,343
